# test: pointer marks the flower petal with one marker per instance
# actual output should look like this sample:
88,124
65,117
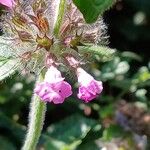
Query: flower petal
89,88
54,88
8,3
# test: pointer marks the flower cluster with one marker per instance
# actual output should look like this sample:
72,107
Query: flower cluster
55,89
29,29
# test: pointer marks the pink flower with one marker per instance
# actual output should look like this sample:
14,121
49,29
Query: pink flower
89,88
8,3
54,88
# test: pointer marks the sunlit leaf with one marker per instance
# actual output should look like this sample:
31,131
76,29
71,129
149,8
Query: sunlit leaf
91,9
131,55
105,53
8,62
8,68
122,68
55,144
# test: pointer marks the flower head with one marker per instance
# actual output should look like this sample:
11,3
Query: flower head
89,88
29,29
30,44
75,30
8,3
54,88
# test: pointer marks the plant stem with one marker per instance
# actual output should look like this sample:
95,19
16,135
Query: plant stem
38,108
36,120
60,17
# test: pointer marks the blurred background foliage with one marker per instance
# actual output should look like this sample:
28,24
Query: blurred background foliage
118,120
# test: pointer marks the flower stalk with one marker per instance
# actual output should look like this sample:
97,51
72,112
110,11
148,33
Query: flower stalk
38,107
36,121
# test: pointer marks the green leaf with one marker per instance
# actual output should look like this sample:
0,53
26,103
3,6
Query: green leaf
113,131
105,53
91,145
107,111
15,129
122,68
91,9
143,74
55,144
141,94
8,63
131,55
8,68
71,128
69,133
5,144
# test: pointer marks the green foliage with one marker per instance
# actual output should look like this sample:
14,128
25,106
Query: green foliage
8,64
16,130
5,144
114,68
114,131
107,111
91,9
75,132
68,133
126,76
104,53
89,146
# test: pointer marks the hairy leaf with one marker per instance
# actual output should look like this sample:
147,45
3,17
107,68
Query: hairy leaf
91,9
6,50
8,63
8,68
105,53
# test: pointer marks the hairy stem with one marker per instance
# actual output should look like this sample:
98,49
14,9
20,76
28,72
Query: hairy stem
59,17
36,120
38,108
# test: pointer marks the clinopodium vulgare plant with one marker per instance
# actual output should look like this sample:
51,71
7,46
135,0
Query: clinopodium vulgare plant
40,36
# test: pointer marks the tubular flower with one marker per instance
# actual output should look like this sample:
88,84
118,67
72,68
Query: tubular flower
30,40
89,88
54,88
8,3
